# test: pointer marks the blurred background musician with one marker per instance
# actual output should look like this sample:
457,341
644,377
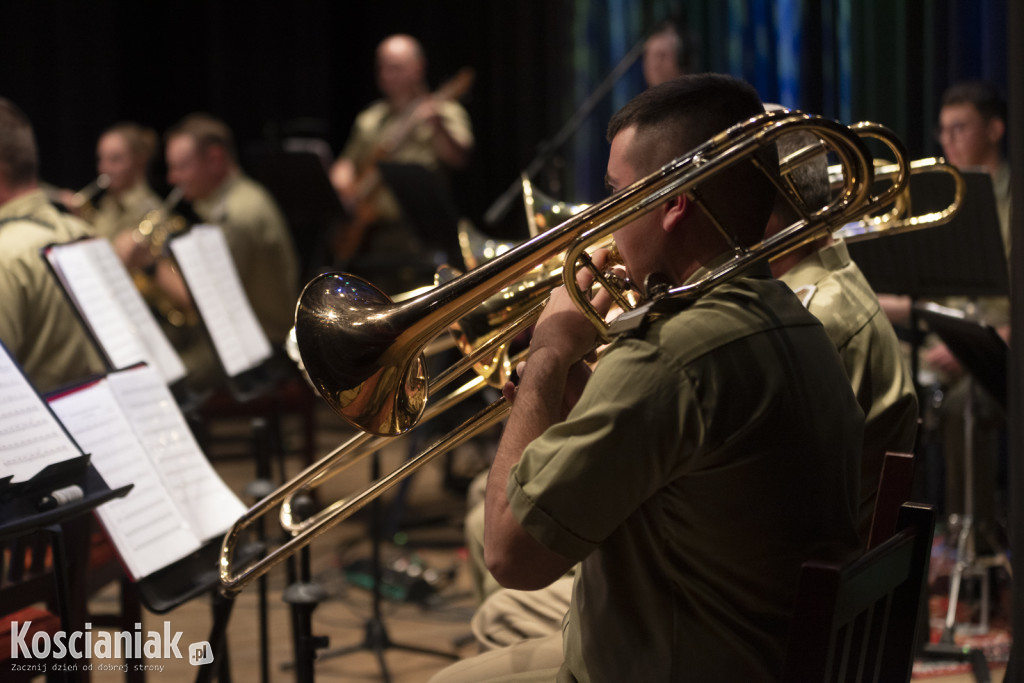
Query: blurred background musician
36,322
666,54
409,125
202,163
123,155
833,288
972,132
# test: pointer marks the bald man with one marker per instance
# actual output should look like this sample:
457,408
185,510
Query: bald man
408,125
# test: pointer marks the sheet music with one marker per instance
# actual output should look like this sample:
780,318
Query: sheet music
205,262
199,493
30,436
145,526
107,298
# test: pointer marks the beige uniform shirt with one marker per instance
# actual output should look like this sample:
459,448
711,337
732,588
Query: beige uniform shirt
262,249
116,214
37,324
377,124
705,461
836,292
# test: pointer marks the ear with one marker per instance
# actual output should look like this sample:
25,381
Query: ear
675,212
995,129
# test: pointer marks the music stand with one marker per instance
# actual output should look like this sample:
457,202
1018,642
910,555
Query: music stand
299,183
964,257
426,201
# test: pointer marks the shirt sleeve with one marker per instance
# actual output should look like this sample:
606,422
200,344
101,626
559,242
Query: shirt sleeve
630,433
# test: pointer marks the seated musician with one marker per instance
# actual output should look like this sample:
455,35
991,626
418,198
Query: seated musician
972,131
36,322
832,288
714,449
202,163
409,125
123,155
837,293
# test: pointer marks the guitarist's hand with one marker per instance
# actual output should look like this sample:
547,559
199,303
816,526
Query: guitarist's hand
427,110
343,179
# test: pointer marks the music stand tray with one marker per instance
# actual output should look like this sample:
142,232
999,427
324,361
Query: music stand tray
964,257
17,500
426,201
978,347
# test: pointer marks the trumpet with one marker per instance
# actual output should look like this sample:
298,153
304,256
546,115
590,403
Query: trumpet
364,353
83,197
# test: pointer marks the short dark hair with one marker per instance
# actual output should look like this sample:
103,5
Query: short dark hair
985,97
687,111
19,158
208,131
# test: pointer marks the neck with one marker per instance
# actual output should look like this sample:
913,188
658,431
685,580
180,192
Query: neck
9,194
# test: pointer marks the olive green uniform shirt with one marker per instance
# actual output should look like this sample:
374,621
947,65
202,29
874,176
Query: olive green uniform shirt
837,293
261,247
705,461
116,214
36,322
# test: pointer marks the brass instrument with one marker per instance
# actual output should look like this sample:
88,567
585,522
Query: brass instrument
151,235
81,201
364,352
900,218
160,224
544,212
477,247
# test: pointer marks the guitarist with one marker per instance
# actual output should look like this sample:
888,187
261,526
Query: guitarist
409,125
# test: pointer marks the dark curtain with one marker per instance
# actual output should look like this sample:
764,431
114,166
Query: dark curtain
269,69
882,60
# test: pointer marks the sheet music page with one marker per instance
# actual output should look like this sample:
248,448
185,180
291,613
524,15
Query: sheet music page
205,262
146,527
113,307
30,436
201,496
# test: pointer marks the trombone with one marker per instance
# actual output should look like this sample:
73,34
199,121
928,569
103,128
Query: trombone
900,218
364,353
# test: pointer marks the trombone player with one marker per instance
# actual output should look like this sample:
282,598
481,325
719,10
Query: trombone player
712,451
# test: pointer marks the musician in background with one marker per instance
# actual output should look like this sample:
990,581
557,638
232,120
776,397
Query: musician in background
971,130
202,163
666,55
832,287
713,450
123,154
409,125
36,322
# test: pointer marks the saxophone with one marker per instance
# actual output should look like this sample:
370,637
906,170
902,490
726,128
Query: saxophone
152,233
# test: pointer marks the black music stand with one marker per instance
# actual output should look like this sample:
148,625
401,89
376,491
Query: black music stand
20,511
188,578
964,257
299,183
375,633
427,203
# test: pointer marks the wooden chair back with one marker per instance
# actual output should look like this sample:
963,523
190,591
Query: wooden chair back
858,621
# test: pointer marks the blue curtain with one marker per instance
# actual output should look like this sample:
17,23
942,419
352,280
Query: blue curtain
881,60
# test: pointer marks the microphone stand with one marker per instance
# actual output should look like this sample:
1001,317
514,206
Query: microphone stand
547,148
